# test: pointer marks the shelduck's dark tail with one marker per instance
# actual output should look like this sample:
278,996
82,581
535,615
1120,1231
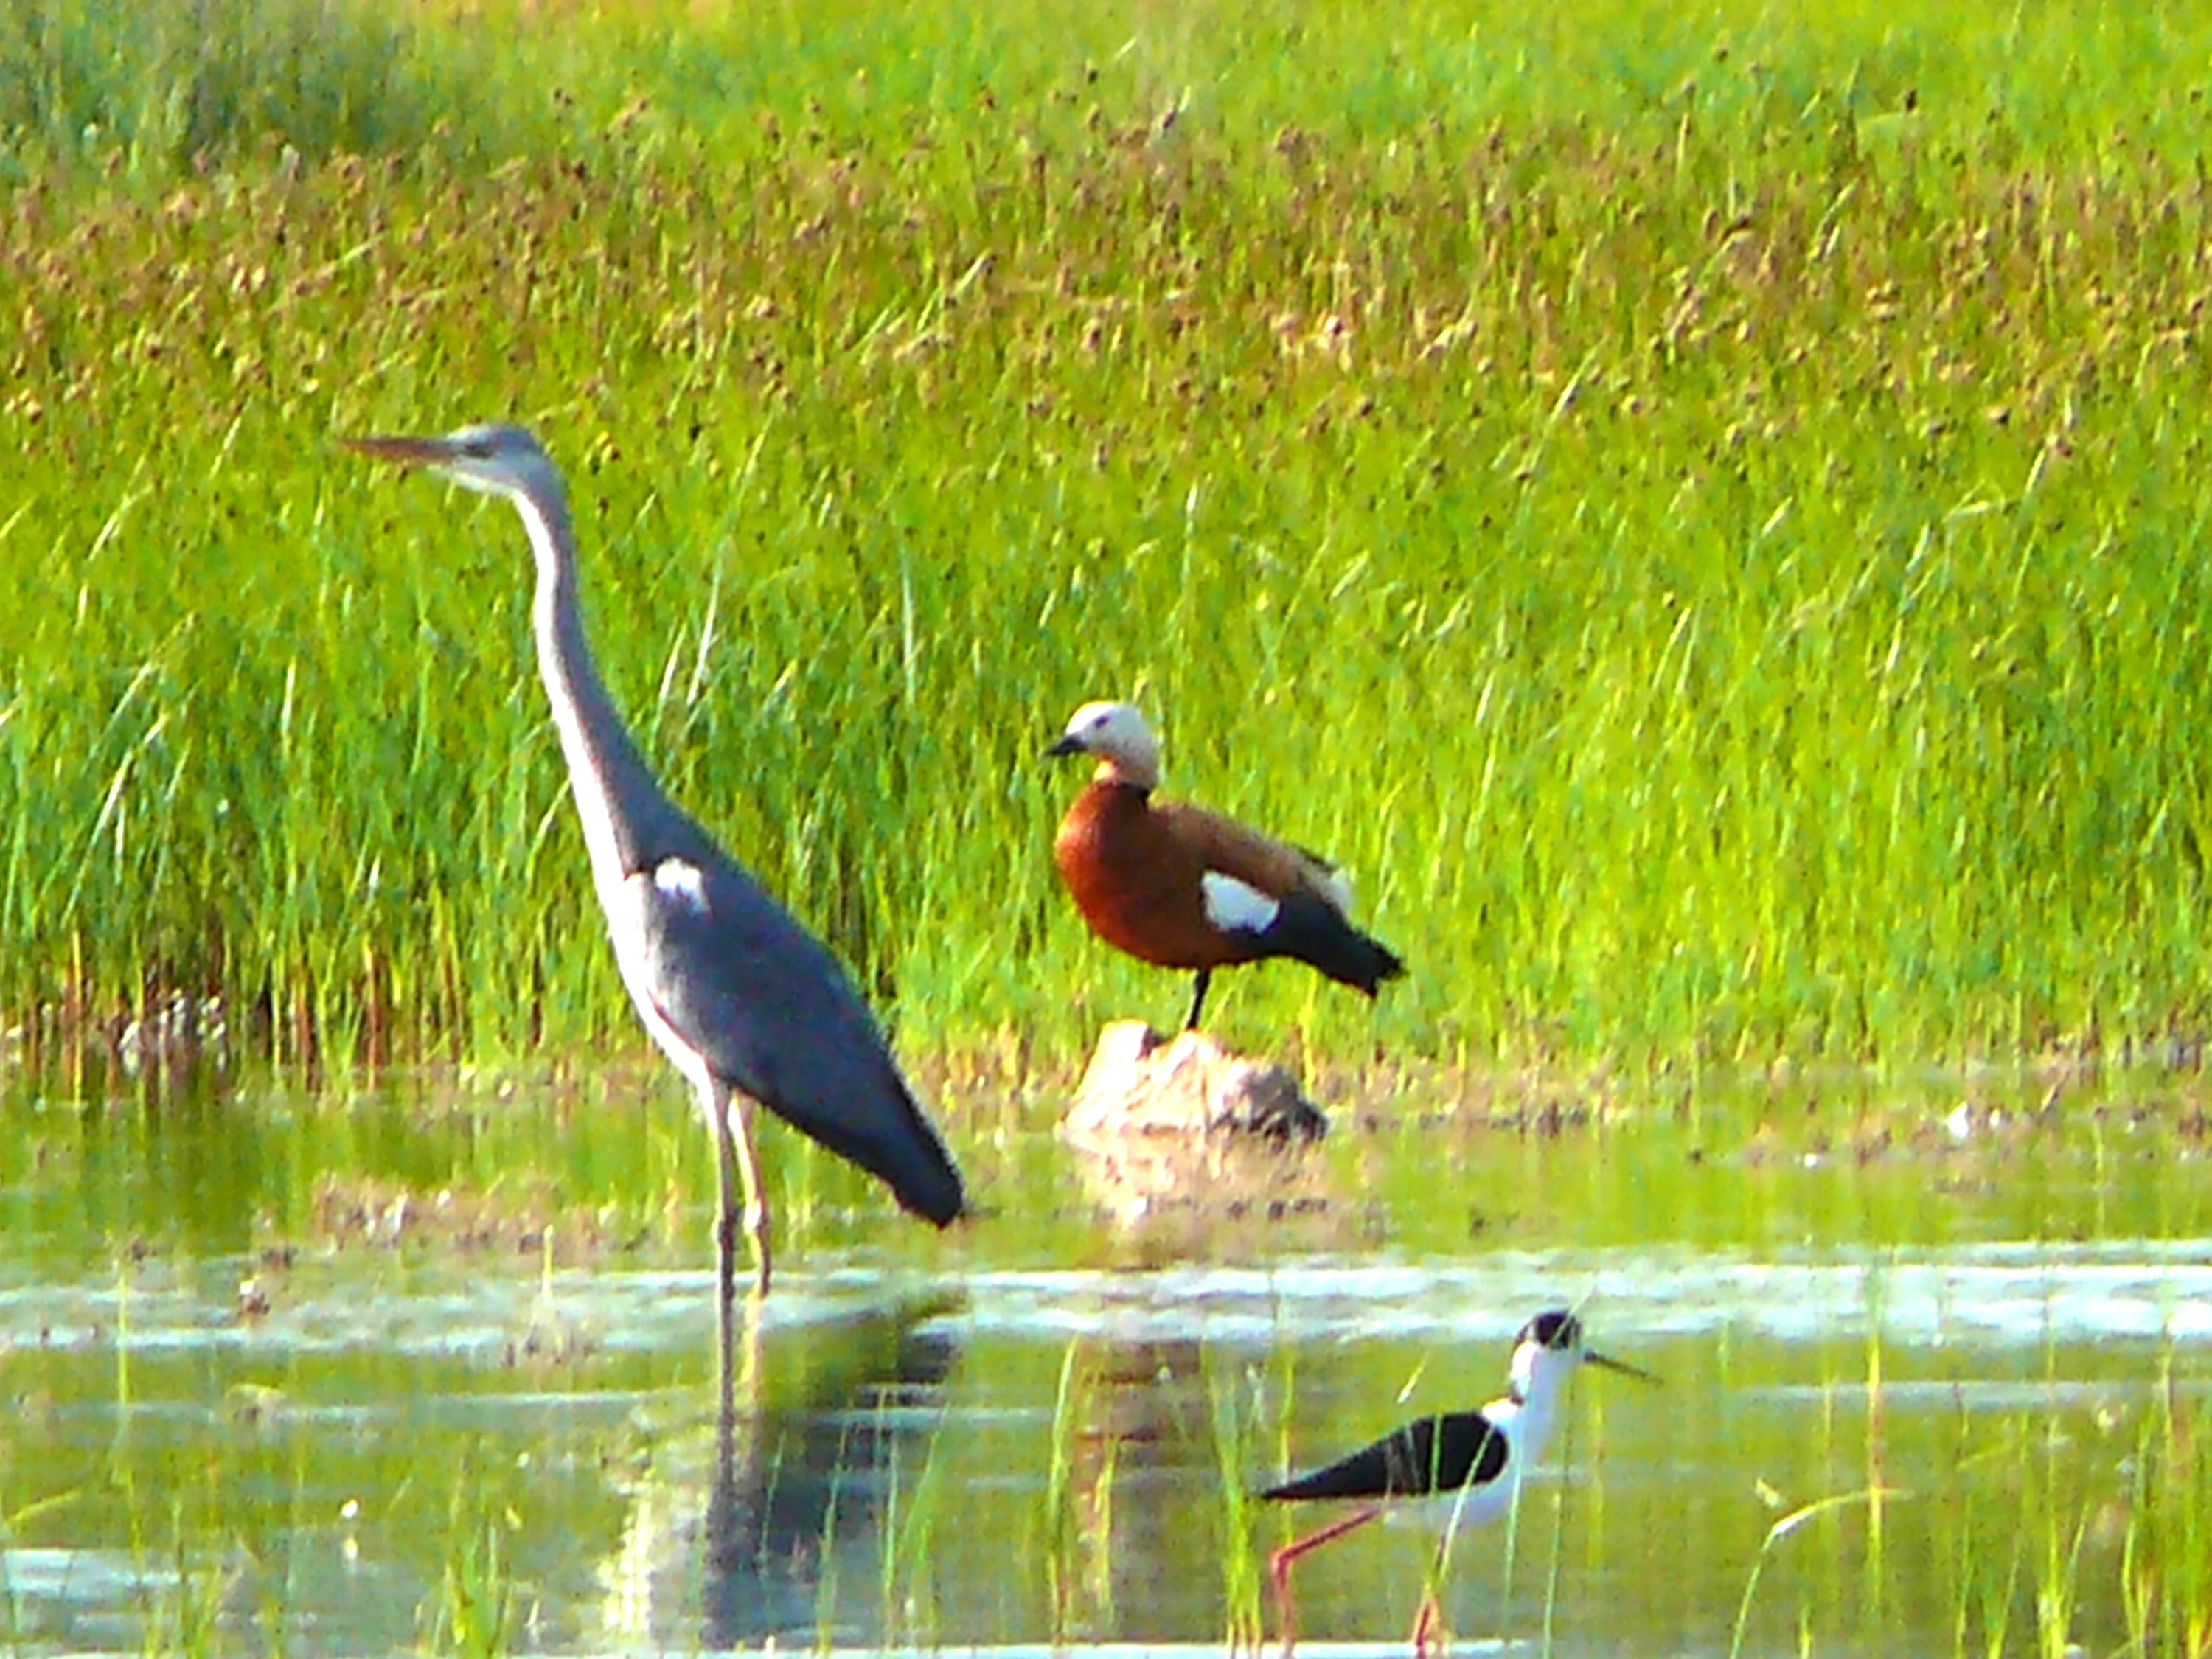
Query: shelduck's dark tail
1314,932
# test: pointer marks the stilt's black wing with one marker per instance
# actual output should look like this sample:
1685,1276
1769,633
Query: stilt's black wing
1437,1454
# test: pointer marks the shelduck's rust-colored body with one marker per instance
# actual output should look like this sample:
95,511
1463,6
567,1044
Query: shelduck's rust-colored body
1180,887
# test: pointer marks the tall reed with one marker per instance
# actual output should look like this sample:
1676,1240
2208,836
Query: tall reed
1704,530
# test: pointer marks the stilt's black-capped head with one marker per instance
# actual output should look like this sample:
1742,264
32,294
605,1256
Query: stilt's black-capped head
1549,1348
1556,1329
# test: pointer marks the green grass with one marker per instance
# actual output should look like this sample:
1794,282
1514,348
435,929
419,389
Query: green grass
475,1613
1698,509
1231,1425
2060,1527
2166,1560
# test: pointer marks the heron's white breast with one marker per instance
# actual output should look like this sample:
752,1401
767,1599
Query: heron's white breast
627,910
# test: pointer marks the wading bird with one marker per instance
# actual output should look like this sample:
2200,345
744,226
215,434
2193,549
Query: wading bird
748,1004
1456,1470
1178,886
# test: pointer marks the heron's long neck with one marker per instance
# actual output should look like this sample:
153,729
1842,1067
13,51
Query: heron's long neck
610,781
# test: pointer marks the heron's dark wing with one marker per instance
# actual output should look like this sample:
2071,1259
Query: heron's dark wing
1435,1455
771,1013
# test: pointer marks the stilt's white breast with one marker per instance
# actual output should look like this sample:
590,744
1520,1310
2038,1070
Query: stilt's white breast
1467,1507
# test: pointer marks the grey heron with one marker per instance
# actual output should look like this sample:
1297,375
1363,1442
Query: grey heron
748,1004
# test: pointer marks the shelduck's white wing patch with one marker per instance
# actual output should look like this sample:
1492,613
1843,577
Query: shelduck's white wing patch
1236,907
682,882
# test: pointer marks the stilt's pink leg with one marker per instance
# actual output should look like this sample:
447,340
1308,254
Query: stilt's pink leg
1281,1563
1427,1623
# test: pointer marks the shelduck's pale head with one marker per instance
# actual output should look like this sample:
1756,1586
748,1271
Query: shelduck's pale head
1115,734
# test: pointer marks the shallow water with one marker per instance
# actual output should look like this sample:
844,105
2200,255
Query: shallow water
341,1376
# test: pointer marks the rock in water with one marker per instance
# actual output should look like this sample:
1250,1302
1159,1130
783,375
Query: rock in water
1174,1138
1141,1084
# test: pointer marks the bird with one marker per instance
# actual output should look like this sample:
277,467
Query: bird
1178,886
1455,1470
748,1003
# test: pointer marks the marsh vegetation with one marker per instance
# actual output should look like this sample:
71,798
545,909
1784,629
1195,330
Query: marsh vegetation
1702,529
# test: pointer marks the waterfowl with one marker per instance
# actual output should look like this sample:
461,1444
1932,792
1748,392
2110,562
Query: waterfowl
1178,886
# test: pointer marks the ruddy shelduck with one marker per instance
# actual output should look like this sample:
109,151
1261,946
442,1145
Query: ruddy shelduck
1180,887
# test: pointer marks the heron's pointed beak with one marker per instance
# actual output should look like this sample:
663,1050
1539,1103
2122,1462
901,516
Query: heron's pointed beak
1069,744
1607,1362
412,451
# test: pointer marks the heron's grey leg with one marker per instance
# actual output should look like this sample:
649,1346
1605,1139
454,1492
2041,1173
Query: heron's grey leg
740,1164
725,1219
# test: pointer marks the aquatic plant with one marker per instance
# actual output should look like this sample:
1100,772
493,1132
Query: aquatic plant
1059,1533
474,1607
2166,1566
1776,1535
1231,1392
913,1511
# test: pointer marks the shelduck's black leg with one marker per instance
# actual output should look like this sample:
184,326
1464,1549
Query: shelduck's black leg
1198,998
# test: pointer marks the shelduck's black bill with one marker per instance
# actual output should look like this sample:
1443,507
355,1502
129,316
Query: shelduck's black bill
1067,746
